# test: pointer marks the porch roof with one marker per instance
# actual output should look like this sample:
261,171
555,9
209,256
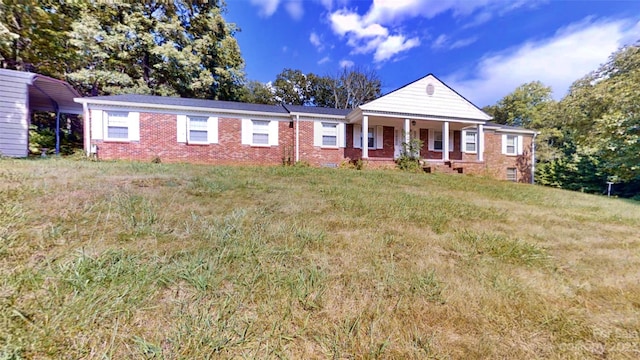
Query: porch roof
427,98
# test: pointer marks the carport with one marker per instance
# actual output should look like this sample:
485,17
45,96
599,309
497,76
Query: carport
22,93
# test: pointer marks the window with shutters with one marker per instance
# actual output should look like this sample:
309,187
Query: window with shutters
371,138
437,140
198,127
117,125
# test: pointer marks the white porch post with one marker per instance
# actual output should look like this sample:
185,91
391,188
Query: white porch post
480,149
407,131
445,141
365,137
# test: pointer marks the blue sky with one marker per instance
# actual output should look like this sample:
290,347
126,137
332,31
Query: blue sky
483,49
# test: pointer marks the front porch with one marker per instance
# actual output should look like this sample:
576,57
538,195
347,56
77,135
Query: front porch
379,139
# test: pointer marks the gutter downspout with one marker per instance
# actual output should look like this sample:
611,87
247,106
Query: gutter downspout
86,135
297,138
533,158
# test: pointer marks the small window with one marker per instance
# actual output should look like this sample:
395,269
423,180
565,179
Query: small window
198,129
260,135
118,125
329,134
512,174
437,140
470,141
371,138
512,144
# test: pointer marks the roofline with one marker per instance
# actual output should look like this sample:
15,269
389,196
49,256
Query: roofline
354,115
177,107
318,115
503,130
61,82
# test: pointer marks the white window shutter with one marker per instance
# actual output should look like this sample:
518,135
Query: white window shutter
520,145
341,135
247,128
357,136
317,133
181,126
379,137
97,124
212,130
134,126
273,132
504,143
451,141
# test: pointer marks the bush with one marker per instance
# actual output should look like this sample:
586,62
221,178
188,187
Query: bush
409,159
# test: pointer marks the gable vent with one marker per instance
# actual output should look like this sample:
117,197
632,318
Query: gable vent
430,89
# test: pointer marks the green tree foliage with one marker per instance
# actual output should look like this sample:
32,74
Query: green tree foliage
164,48
347,89
525,106
603,108
33,35
256,92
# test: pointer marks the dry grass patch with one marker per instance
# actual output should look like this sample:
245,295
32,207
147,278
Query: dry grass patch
132,260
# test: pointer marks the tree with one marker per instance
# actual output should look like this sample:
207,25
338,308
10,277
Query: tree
525,106
33,35
603,109
352,87
292,87
164,48
256,92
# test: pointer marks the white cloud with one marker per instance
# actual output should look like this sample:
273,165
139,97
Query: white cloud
444,42
267,8
295,9
316,41
463,42
556,61
324,60
346,63
393,45
440,41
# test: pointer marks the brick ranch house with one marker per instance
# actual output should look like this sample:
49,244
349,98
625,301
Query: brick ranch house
457,136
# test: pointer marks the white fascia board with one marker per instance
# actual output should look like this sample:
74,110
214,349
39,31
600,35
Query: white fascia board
511,131
354,115
176,108
320,116
424,117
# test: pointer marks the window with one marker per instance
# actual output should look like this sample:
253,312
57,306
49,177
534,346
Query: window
437,140
118,125
198,129
470,141
329,134
512,174
371,138
512,144
260,134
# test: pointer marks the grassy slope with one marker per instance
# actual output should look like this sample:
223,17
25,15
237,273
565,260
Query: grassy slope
128,260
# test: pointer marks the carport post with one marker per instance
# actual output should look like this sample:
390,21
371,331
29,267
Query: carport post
57,128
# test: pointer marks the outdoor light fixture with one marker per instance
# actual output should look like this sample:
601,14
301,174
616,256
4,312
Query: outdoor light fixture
413,123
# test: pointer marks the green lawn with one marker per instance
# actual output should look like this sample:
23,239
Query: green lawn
129,260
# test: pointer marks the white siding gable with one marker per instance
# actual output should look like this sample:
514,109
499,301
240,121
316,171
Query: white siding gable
414,99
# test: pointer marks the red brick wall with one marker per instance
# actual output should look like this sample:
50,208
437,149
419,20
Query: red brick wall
496,163
316,155
388,144
158,138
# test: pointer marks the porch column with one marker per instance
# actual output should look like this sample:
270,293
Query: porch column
365,137
445,141
407,131
480,149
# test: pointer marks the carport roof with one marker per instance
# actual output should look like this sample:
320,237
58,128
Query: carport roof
45,92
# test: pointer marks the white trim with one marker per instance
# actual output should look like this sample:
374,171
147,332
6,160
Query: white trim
181,128
518,146
132,122
246,131
463,141
341,129
273,132
212,123
134,126
317,133
357,136
97,125
379,133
